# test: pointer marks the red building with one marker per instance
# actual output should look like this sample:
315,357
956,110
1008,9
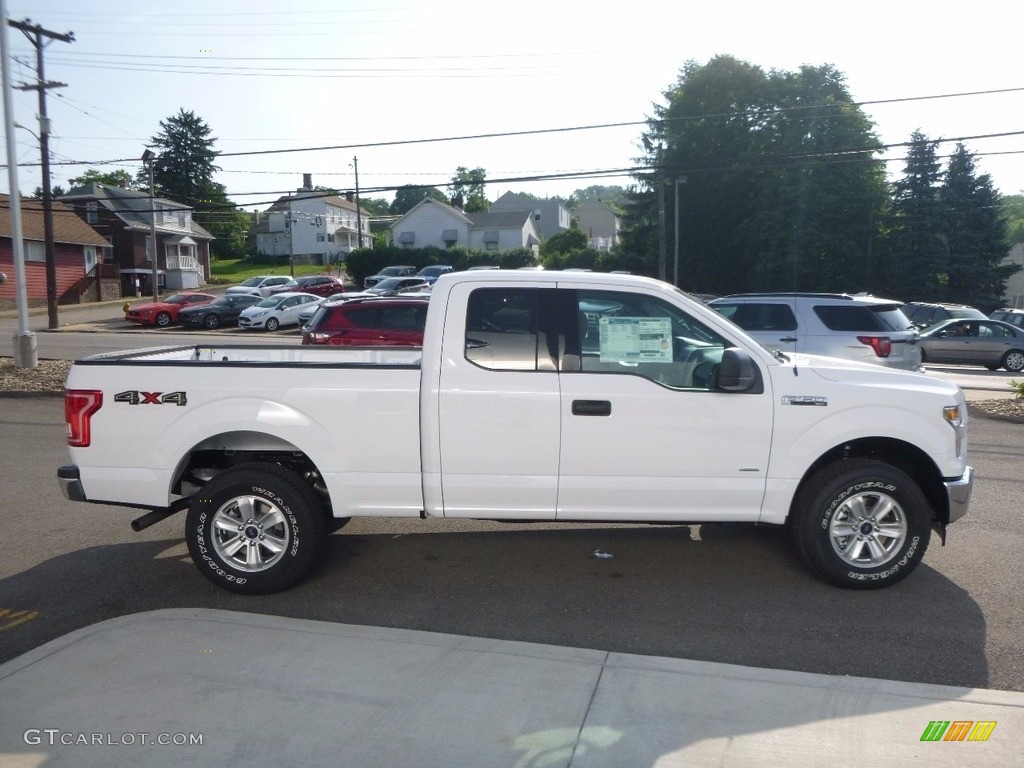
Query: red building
79,251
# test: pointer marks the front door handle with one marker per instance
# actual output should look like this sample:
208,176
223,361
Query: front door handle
591,408
788,338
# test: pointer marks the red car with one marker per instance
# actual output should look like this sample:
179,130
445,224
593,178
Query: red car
368,322
318,285
163,313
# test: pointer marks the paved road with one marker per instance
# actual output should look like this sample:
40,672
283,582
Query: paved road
726,593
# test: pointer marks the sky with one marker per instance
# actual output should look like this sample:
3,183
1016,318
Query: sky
522,89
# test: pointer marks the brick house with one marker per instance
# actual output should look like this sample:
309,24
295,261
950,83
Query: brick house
125,217
79,251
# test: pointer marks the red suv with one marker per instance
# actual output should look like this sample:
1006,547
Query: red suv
369,322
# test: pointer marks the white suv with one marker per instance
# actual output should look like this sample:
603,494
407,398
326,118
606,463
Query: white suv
854,327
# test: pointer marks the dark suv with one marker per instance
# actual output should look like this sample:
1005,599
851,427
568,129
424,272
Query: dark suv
1008,315
924,314
369,322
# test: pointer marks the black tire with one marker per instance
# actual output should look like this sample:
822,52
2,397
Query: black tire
272,324
861,524
212,320
255,529
163,319
1013,361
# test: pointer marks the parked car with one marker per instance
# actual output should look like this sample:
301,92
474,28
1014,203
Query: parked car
368,322
222,311
276,311
991,343
924,314
855,327
307,312
319,285
165,312
1011,316
432,272
258,285
401,270
394,286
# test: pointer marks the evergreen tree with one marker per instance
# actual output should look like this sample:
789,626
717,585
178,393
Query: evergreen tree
975,234
184,165
409,196
916,243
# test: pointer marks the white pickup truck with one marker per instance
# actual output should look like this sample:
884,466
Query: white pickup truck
537,396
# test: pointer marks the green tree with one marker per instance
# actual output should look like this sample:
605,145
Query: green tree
375,206
409,196
764,201
1013,213
616,197
915,245
55,192
975,234
185,162
468,189
118,178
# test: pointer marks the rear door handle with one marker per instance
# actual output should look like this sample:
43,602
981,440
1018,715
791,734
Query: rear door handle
591,408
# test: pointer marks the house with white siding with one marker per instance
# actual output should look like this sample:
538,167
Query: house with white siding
549,216
319,226
433,223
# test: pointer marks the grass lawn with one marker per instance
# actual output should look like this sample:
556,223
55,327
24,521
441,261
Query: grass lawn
231,271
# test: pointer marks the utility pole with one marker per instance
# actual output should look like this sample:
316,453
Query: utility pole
35,34
359,215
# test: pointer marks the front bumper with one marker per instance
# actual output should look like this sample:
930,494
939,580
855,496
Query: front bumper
71,483
958,493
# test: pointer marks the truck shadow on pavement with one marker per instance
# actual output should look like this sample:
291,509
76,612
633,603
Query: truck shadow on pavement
725,593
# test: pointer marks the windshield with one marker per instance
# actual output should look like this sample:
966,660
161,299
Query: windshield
391,271
390,284
271,302
252,282
176,298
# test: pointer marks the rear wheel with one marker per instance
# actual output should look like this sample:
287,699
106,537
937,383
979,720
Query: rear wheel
212,320
255,529
861,524
1013,361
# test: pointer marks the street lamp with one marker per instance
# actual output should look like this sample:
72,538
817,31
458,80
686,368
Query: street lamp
148,157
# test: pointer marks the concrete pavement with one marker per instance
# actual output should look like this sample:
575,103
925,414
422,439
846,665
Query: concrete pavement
267,690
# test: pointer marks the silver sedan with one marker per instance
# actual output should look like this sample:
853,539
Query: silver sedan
991,343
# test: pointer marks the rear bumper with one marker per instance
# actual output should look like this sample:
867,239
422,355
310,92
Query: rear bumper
71,483
958,492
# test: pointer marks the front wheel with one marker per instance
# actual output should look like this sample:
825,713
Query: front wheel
861,524
163,319
212,320
272,324
255,529
1013,361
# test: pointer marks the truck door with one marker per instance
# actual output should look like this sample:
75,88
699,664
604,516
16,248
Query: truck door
644,434
498,406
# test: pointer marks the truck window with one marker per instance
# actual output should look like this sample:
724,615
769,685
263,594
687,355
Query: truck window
501,328
639,335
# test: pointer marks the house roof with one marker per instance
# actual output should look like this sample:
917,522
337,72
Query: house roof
282,203
450,209
131,206
499,220
67,227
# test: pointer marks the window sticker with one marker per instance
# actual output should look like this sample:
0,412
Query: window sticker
636,339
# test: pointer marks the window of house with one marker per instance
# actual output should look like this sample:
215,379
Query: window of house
34,251
182,219
92,216
320,237
89,256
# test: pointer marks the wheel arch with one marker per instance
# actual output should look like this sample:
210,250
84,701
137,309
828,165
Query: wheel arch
900,454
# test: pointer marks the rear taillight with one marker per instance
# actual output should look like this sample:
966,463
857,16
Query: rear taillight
880,344
79,406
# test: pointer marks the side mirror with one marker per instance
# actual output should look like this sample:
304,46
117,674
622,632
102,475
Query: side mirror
738,373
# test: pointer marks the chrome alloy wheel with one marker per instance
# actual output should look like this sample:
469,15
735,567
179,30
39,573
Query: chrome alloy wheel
868,529
250,533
